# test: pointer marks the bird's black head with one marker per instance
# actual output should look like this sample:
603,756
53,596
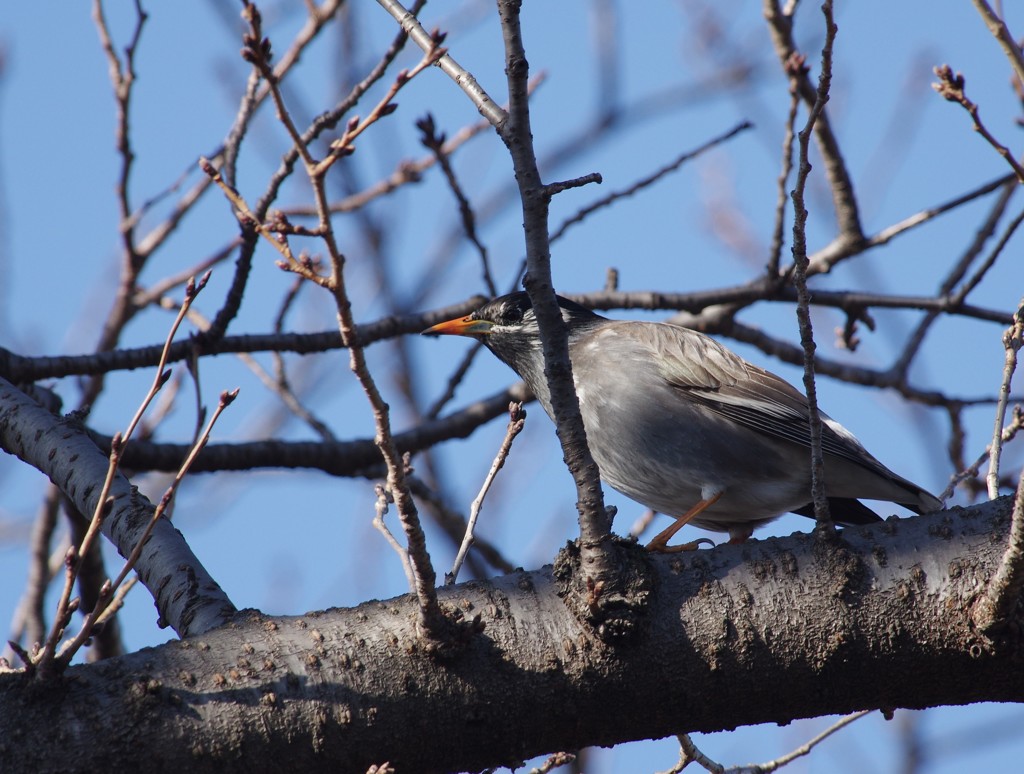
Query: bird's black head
512,315
507,326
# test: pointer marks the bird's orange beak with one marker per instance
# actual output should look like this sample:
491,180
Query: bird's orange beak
464,326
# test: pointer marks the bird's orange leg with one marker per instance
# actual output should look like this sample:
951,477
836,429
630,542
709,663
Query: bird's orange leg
660,542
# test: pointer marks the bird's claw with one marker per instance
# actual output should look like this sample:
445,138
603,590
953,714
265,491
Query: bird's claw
660,548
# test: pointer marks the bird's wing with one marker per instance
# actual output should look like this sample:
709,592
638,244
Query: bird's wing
721,381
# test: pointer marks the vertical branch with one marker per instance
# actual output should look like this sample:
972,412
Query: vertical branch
793,65
595,524
780,26
801,263
122,77
1013,338
514,129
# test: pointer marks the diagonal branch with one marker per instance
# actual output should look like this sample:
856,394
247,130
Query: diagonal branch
187,597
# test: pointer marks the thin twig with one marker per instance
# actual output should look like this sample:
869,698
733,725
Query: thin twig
805,749
955,275
434,141
689,753
30,616
380,510
405,172
975,279
646,181
822,261
516,420
995,608
454,381
110,587
249,219
454,526
122,77
801,263
1014,426
1013,339
117,602
158,290
795,62
344,145
325,121
951,88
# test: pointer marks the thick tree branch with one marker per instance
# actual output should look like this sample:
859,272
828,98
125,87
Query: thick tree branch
882,617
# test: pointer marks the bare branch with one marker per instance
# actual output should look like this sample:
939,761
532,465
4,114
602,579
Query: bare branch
951,88
488,108
805,749
994,609
47,659
380,510
801,263
109,588
795,62
517,418
435,143
646,181
780,25
1013,339
689,753
1002,33
1015,424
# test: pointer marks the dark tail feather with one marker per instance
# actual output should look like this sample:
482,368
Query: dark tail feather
844,510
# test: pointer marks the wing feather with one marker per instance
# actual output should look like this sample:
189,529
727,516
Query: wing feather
709,374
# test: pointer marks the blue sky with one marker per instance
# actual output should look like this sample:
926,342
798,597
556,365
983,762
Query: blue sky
283,541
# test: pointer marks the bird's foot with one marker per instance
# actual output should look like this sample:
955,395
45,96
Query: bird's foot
660,548
660,543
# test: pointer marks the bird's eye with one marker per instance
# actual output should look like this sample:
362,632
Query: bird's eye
512,315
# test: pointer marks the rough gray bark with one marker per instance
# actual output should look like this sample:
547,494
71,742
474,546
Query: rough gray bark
767,631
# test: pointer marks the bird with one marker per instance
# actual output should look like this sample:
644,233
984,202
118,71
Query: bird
684,426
